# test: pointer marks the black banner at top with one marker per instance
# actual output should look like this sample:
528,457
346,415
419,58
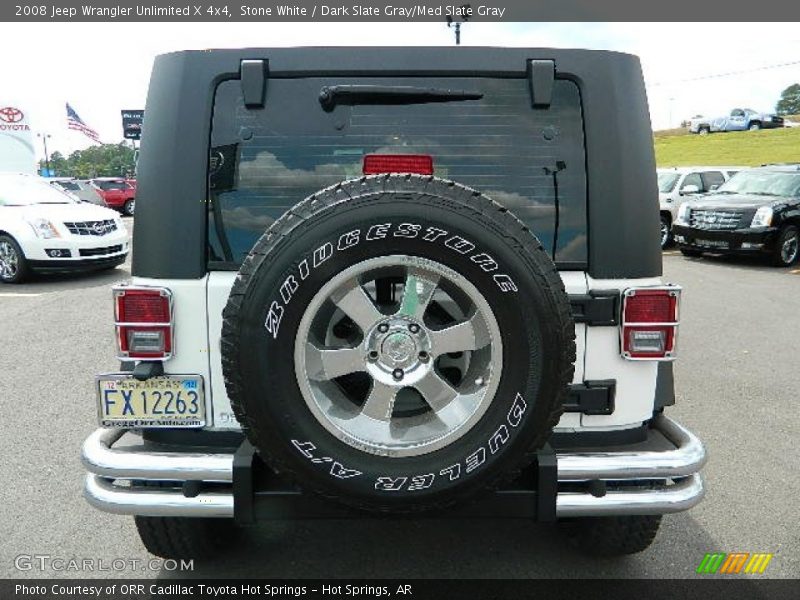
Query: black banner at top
400,10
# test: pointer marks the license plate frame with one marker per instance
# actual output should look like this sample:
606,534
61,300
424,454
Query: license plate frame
153,415
716,244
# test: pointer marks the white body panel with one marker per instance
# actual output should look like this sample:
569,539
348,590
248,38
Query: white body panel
636,379
197,351
16,222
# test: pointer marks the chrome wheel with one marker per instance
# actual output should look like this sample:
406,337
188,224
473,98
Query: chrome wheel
9,261
664,233
398,356
789,249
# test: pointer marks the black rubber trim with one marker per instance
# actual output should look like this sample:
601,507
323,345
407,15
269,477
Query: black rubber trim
541,76
599,439
665,386
253,74
171,213
193,437
600,307
260,494
67,266
592,397
243,476
546,484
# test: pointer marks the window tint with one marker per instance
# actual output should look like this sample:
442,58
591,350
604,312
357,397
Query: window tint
712,178
111,185
764,183
265,161
667,181
692,179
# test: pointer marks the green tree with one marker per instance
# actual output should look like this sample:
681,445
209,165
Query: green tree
106,160
789,104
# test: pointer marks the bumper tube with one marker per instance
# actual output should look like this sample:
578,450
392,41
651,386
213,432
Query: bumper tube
100,458
682,495
687,458
103,494
675,483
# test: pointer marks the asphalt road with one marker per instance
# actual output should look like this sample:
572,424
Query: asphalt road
736,384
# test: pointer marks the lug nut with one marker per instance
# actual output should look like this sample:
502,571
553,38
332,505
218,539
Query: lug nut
423,356
397,374
383,327
373,355
413,328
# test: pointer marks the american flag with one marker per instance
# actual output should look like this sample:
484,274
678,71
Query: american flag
76,123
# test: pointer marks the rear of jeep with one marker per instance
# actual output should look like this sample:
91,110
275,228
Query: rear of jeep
392,281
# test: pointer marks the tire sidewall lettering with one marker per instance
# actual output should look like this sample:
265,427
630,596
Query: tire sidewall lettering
350,239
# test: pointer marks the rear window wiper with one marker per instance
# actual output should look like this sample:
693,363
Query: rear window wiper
330,96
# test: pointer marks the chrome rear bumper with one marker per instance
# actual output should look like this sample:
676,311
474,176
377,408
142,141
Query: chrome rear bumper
672,477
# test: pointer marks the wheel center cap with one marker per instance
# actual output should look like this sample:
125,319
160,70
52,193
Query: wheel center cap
398,349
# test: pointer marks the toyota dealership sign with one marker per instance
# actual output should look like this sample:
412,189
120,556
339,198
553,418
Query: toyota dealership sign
16,142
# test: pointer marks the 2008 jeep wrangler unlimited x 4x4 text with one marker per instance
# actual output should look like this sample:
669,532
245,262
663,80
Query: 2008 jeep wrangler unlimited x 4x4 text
393,281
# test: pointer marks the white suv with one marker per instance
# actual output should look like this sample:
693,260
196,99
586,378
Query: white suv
46,230
677,184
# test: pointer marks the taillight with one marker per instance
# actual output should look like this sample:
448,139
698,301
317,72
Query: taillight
650,323
421,164
143,321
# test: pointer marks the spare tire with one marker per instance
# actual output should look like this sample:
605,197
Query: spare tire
398,343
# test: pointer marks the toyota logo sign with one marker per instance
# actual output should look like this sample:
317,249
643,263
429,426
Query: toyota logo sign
9,114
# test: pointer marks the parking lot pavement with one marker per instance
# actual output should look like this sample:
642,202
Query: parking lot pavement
736,388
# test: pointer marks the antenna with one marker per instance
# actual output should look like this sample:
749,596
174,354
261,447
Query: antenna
462,15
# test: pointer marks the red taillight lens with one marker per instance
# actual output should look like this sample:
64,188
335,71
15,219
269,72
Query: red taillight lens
421,164
143,320
650,323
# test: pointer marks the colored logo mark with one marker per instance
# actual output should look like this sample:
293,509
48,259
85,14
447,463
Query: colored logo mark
734,563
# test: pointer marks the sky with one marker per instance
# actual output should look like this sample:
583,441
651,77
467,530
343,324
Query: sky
102,68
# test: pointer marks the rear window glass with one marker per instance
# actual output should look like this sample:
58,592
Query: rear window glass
264,161
112,185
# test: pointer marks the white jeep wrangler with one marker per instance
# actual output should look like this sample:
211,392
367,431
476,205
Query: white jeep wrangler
394,281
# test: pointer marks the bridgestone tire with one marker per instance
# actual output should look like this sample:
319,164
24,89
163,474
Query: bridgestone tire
184,537
412,216
613,536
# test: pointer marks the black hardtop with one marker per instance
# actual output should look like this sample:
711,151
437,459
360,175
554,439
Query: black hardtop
171,220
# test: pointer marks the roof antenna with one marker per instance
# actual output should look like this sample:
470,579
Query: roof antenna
463,12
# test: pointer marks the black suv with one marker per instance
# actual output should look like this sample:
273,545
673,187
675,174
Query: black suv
755,212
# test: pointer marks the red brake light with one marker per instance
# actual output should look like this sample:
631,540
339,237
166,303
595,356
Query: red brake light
143,321
650,323
421,164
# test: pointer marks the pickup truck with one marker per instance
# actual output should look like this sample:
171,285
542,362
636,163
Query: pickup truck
739,119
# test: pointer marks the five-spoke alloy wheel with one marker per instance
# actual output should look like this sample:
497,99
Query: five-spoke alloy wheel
404,355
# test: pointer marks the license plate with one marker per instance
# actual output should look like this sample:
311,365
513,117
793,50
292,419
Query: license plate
166,401
712,243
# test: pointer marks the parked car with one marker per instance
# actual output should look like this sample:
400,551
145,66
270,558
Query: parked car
82,190
43,229
756,212
678,184
117,193
739,119
336,325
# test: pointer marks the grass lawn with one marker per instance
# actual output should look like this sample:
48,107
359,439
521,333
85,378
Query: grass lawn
741,148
